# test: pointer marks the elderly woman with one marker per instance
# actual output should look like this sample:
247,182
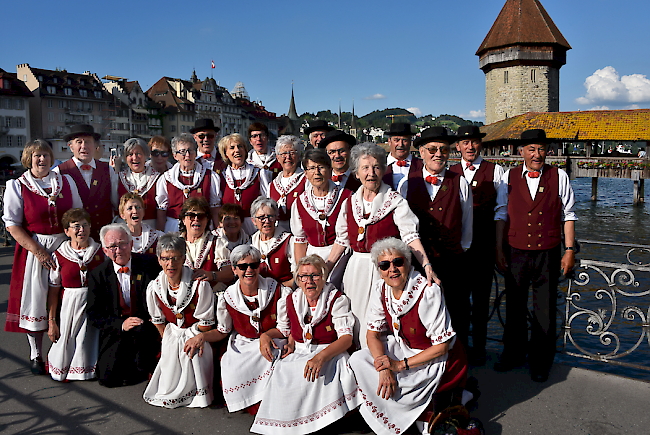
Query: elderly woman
412,349
33,207
136,177
286,187
313,215
231,232
242,181
318,323
131,211
373,212
73,355
186,178
161,150
273,243
248,308
181,308
205,256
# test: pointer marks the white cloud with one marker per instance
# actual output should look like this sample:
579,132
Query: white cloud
475,114
375,97
630,107
599,108
606,86
415,110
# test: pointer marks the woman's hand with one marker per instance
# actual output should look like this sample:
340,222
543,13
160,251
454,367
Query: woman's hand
431,276
387,384
313,366
202,275
53,331
44,258
288,348
194,345
266,347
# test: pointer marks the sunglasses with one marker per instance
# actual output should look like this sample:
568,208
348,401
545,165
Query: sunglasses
157,153
385,265
444,149
193,215
209,136
244,266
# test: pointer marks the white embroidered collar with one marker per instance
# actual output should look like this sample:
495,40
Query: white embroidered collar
266,288
207,241
278,239
294,181
70,254
185,293
55,180
384,202
301,306
139,184
249,172
411,294
148,238
331,199
172,176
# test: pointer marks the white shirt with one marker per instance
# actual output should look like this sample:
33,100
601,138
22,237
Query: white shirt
162,195
346,176
124,279
564,187
469,174
399,172
87,175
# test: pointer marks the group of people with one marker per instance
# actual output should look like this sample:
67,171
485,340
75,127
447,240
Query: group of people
306,282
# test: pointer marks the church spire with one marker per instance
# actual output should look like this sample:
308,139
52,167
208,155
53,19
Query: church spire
293,115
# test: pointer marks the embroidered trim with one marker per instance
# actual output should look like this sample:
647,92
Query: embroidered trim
172,175
229,176
130,187
284,192
383,418
190,395
250,383
70,370
198,262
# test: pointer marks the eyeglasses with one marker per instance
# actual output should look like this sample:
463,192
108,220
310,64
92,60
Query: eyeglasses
174,259
312,276
316,168
193,215
244,266
120,246
156,153
257,135
397,262
78,227
288,153
444,149
268,217
185,152
203,136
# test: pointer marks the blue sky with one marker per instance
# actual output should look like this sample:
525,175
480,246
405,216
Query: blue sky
409,54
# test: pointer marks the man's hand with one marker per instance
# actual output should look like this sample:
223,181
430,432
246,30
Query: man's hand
131,322
568,261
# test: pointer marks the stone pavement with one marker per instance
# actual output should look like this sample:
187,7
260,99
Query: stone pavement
573,401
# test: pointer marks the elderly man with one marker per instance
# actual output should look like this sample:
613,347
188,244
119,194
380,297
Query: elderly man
316,131
206,134
91,176
535,205
261,155
400,159
338,143
128,342
442,201
484,179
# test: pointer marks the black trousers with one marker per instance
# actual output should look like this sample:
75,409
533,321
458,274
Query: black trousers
541,269
456,288
478,266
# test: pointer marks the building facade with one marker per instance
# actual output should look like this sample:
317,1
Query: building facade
14,119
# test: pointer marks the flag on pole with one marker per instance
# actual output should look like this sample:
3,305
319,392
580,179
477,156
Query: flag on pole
213,64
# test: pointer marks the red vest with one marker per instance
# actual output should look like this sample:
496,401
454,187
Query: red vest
314,231
416,164
292,196
176,197
412,331
279,267
534,225
70,276
96,199
241,322
323,333
384,228
149,197
39,216
248,195
208,258
188,312
440,219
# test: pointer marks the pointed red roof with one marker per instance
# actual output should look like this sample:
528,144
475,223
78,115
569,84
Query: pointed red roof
522,22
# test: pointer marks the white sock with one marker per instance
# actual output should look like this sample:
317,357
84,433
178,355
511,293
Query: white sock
35,340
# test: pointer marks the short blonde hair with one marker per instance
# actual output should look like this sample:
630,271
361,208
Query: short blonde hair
227,140
129,196
31,148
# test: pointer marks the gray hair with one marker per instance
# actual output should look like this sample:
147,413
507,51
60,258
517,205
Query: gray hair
367,149
184,138
289,141
314,260
242,251
114,227
262,201
170,242
130,145
388,245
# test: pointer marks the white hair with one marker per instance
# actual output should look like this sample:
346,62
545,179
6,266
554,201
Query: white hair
390,245
114,227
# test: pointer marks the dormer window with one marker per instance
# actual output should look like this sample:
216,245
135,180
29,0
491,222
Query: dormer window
51,90
67,91
55,80
69,81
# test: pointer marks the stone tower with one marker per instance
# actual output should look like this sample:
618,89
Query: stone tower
521,57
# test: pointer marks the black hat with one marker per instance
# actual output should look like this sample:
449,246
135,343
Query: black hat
536,135
318,125
81,130
399,129
204,124
434,134
469,132
335,136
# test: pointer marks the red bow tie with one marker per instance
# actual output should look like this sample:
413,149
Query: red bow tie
533,174
337,178
86,167
431,180
206,156
123,269
402,163
470,167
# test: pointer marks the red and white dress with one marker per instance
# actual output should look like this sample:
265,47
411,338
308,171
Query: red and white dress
292,404
242,186
359,225
37,206
277,255
142,183
147,241
415,321
285,191
207,253
74,355
179,380
245,373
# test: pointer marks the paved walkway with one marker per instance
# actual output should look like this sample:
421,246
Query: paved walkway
573,401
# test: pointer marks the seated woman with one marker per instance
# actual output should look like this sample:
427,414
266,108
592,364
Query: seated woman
73,355
131,210
208,259
231,231
248,308
399,375
181,308
273,242
318,323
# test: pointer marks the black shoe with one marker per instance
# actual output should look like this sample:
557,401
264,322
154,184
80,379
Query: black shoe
37,366
539,376
505,363
477,357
